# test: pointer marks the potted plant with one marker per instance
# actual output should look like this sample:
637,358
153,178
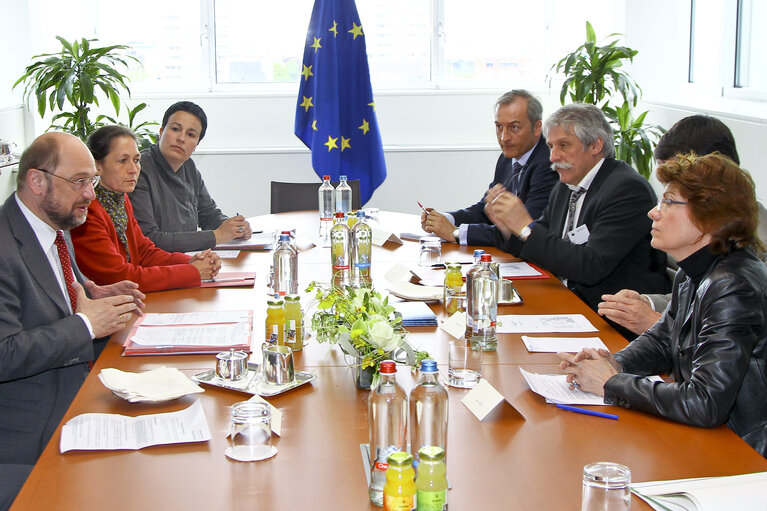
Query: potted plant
365,326
594,74
73,79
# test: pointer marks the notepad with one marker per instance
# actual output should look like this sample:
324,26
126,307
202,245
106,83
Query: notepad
416,314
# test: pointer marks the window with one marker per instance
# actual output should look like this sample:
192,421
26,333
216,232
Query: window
750,70
255,44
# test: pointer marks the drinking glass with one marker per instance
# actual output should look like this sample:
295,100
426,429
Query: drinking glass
431,251
606,487
465,364
250,431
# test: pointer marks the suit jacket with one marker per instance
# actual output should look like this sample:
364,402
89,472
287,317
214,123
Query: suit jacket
537,181
44,349
101,255
617,254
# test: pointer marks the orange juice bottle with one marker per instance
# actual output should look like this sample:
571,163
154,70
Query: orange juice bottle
275,322
399,490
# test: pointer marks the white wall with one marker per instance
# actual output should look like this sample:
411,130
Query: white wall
440,146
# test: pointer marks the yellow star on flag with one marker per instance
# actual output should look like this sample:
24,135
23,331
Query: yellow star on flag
316,44
331,143
306,103
356,30
307,72
314,124
365,127
373,104
334,29
345,143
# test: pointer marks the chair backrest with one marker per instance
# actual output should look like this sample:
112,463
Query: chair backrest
303,196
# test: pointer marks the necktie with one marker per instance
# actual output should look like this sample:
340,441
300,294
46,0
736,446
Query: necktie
574,196
66,266
516,178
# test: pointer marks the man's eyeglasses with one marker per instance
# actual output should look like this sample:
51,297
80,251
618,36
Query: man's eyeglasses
79,183
664,203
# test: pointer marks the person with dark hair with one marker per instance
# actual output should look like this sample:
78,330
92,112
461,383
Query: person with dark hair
170,200
594,234
701,135
110,246
712,339
51,316
522,168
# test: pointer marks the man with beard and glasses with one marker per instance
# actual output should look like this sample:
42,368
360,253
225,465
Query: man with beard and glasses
594,234
52,319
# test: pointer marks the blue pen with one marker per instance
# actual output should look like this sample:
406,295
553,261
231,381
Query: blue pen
584,411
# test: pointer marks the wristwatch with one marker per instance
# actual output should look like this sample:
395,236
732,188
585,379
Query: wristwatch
526,230
455,235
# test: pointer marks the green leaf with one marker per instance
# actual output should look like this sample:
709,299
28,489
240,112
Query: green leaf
591,36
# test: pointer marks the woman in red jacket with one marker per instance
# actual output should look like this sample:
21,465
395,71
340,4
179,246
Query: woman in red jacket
109,246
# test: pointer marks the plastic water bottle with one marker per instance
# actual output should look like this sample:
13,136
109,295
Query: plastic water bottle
482,305
343,196
327,207
387,413
362,238
285,267
428,411
340,252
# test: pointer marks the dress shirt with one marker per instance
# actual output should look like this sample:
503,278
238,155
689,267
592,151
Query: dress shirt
46,236
585,183
463,229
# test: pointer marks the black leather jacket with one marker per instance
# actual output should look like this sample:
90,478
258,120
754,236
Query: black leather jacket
713,340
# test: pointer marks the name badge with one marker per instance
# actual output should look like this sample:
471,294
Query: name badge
579,235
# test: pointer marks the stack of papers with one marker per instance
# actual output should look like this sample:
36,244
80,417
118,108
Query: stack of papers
260,241
108,431
742,492
543,323
561,344
555,389
161,384
416,314
520,271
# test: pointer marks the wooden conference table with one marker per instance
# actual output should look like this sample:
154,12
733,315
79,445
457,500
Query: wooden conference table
503,463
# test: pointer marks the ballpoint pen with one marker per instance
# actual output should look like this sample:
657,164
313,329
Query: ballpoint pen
422,208
584,411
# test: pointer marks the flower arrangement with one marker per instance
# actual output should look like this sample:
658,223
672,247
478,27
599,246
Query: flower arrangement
364,324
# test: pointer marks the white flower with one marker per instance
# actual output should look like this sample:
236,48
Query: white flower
381,334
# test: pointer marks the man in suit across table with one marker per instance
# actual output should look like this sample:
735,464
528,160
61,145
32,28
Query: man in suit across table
523,169
47,321
595,233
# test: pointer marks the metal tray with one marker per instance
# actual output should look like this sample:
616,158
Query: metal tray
254,382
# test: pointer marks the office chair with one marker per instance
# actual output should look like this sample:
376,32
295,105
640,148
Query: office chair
303,196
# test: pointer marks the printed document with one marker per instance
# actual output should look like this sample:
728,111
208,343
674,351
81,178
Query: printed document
543,323
198,335
555,389
516,270
106,431
742,492
193,318
561,344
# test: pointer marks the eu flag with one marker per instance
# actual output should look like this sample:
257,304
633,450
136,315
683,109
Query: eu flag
335,112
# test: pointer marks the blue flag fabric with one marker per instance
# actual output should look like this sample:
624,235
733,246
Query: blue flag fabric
335,112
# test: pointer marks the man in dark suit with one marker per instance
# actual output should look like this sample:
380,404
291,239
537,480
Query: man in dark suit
523,169
47,321
595,233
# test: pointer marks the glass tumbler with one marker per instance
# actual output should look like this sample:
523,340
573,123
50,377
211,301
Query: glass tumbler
606,487
250,431
431,251
465,364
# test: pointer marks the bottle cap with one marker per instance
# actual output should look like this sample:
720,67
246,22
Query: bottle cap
284,237
326,178
400,459
360,214
342,177
428,366
431,453
285,232
387,367
486,258
276,302
339,214
292,298
478,252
